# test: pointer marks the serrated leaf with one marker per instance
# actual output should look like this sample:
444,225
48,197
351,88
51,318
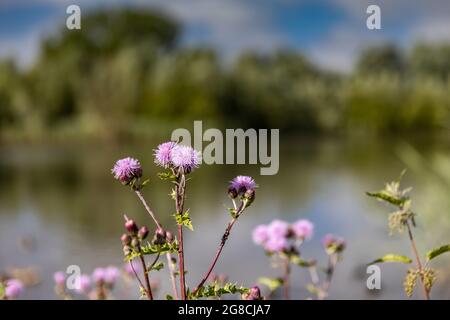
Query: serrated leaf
184,220
166,176
437,252
216,290
158,266
271,283
392,258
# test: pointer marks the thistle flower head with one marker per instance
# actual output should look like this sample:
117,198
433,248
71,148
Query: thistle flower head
260,234
125,170
163,153
303,229
13,288
59,277
185,158
276,244
333,244
242,183
85,284
99,275
278,228
253,294
111,275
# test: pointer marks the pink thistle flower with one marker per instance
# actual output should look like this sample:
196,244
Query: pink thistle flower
85,284
13,288
276,244
163,156
260,234
278,229
125,170
243,183
59,277
185,157
99,275
111,275
303,229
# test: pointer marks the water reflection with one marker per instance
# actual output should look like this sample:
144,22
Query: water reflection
59,205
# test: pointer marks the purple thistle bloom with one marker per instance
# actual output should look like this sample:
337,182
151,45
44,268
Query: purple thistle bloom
85,284
59,278
303,229
163,156
185,157
111,275
278,228
276,244
260,234
13,288
125,170
99,275
243,183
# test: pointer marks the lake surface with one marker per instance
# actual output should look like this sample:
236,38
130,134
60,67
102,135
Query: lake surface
60,206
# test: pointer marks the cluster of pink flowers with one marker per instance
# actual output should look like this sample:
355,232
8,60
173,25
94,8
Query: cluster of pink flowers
276,236
100,277
173,155
13,288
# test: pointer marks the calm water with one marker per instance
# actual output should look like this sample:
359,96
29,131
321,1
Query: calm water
59,205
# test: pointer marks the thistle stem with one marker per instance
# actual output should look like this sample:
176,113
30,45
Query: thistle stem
172,275
147,279
286,282
180,196
147,207
418,262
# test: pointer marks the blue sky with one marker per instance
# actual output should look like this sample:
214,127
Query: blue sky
330,32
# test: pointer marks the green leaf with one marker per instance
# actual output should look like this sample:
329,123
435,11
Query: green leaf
313,289
216,290
143,184
2,290
150,249
271,283
158,266
295,259
166,176
384,196
437,252
169,297
184,220
392,258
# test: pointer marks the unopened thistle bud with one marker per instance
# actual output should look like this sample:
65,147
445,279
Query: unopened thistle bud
143,233
127,250
253,294
159,237
169,237
126,239
131,226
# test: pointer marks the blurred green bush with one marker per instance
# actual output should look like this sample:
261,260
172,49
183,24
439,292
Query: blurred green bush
126,72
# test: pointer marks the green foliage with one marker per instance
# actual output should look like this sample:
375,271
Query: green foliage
157,266
2,290
295,259
184,220
271,283
392,258
217,290
128,74
151,249
437,252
